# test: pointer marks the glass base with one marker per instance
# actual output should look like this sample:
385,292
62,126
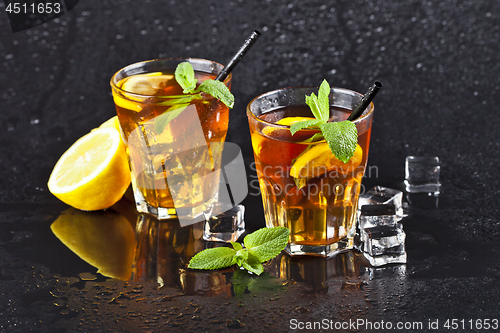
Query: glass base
160,213
186,216
326,251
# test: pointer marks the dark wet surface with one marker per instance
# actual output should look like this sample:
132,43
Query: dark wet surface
440,64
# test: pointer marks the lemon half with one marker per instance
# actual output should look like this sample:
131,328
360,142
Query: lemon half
93,173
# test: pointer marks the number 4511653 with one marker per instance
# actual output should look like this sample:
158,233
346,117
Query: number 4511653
39,8
477,324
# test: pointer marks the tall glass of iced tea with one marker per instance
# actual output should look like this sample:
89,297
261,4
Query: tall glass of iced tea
174,141
303,186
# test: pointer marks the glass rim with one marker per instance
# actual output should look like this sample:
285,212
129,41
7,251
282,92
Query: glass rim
363,117
114,86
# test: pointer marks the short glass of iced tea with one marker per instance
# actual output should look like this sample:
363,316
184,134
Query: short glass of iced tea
174,141
303,186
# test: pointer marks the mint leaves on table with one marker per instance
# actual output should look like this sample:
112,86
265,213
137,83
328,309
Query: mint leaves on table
260,246
184,75
342,136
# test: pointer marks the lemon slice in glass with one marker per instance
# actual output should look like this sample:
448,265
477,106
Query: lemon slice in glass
287,121
145,84
319,159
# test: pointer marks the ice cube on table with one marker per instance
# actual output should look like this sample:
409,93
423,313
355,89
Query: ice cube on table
422,174
377,215
384,240
226,224
376,261
382,195
384,244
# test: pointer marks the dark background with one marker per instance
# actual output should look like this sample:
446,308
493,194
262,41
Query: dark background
438,61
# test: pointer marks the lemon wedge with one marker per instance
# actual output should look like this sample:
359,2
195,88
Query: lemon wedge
104,239
292,120
93,173
319,160
287,121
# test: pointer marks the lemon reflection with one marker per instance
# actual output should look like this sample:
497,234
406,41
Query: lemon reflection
104,239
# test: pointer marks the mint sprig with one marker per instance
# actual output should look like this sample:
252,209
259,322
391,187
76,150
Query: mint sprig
260,246
184,75
342,136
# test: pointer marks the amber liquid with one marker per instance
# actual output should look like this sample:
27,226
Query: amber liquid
180,157
323,211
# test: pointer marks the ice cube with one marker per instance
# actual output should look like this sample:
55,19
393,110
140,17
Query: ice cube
377,215
422,174
226,223
384,240
382,195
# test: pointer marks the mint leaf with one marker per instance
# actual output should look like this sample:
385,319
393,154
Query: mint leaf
253,264
342,138
170,114
218,90
261,245
323,102
184,75
237,246
312,101
294,128
266,243
240,257
176,100
215,258
314,138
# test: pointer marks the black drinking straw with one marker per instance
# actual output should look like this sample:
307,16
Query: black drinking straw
237,57
365,101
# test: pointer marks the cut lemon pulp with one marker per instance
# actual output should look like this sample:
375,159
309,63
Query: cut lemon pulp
93,173
319,160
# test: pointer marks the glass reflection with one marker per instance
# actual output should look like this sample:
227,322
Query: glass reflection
159,251
316,271
163,253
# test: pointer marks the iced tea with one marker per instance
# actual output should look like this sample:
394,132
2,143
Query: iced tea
173,163
303,186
